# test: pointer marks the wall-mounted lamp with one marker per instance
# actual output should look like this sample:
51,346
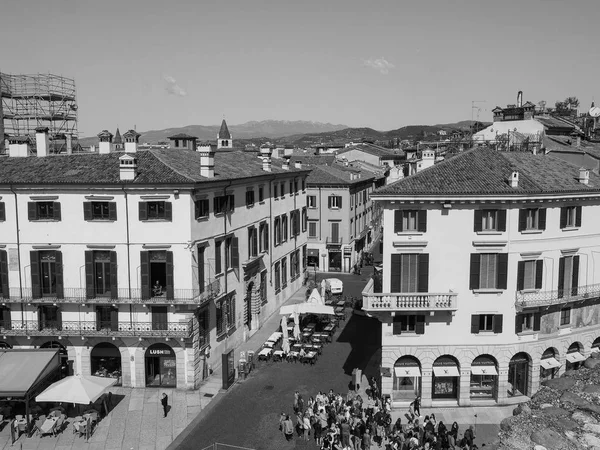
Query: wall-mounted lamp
448,205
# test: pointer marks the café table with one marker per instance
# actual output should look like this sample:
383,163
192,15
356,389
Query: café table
265,353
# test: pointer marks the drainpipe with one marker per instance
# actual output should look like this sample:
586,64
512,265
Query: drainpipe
272,228
225,231
18,252
128,253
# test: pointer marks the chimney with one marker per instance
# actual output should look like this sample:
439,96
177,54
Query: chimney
105,144
265,153
520,99
578,142
207,160
298,164
127,167
69,138
285,165
346,163
514,180
18,146
584,175
42,142
132,138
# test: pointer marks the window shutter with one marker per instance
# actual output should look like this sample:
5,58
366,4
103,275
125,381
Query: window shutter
216,205
329,202
575,279
398,221
41,318
477,224
60,287
235,253
32,211
498,323
87,210
89,274
537,321
170,277
218,267
58,317
520,275
4,274
114,319
2,212
395,273
578,216
340,201
196,209
145,274
143,211
474,272
522,219
423,273
542,219
563,217
201,281
518,323
397,326
420,325
475,323
561,277
422,220
56,210
501,220
539,273
98,318
169,211
34,265
502,270
6,319
112,211
114,280
266,238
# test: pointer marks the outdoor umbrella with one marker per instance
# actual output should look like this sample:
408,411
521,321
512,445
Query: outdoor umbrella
76,389
285,344
315,298
323,288
306,308
296,326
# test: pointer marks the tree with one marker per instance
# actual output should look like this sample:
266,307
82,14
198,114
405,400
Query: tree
567,104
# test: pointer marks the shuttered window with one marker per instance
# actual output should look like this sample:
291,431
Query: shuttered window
43,211
488,271
568,276
312,229
410,273
486,322
277,277
570,216
488,274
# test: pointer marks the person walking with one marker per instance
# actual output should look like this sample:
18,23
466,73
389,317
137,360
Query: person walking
417,406
165,402
469,436
288,428
306,426
453,436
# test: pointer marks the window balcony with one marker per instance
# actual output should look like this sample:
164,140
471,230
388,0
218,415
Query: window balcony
333,241
413,301
535,299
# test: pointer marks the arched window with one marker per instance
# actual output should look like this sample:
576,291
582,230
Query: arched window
407,378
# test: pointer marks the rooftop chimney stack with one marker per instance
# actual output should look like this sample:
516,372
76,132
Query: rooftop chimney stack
584,175
42,142
127,167
265,153
132,138
18,146
207,160
514,180
578,142
520,99
285,165
105,144
298,164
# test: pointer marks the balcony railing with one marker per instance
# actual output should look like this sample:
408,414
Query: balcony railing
414,301
93,328
533,299
211,290
333,241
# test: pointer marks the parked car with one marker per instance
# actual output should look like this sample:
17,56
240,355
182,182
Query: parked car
336,285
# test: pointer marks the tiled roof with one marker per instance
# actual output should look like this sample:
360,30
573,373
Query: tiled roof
131,133
326,175
483,171
182,136
224,131
374,150
567,144
553,122
105,133
309,159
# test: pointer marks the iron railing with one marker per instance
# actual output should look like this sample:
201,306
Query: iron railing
413,301
533,299
334,240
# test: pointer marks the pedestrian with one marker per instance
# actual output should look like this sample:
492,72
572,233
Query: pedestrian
165,402
318,432
366,440
306,426
469,436
296,395
288,428
345,433
417,406
453,436
281,419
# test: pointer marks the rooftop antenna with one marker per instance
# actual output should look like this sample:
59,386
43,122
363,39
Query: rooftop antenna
473,106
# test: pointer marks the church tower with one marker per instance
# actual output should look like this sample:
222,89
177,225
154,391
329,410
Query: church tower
224,139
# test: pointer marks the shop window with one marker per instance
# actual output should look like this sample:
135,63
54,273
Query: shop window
161,366
484,378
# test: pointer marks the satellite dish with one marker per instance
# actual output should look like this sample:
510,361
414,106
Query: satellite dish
594,111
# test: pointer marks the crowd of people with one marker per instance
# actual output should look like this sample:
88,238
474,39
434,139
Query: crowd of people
336,422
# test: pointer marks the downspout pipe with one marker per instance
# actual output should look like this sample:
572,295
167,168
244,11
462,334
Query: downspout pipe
18,248
128,251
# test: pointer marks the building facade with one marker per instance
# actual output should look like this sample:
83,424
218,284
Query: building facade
489,283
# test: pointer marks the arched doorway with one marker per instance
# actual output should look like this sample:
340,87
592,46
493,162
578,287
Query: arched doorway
248,305
596,345
575,356
549,364
518,374
105,359
446,378
407,379
63,354
161,366
484,377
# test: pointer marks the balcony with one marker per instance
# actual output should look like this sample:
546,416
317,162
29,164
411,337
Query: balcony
97,329
333,241
413,301
535,299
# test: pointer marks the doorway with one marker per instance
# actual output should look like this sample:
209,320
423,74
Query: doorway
159,318
48,273
335,260
518,372
161,366
158,273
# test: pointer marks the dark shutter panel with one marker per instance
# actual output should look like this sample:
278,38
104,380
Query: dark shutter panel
520,275
89,274
502,270
422,220
563,217
2,212
537,321
575,279
112,211
539,273
561,277
477,223
114,319
58,318
578,216
169,211
34,265
518,323
114,280
4,274
522,219
397,326
542,219
398,221
218,256
340,202
501,220
201,282
474,272
98,318
498,323
56,211
196,209
170,277
145,274
329,202
87,210
32,210
395,273
420,325
423,273
60,287
475,323
143,210
6,319
216,205
235,253
266,238
41,317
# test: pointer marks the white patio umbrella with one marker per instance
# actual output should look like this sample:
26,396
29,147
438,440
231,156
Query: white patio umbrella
76,389
296,326
306,308
323,288
315,298
285,344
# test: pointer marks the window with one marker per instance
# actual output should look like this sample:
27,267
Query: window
284,272
532,219
284,227
304,219
155,210
410,272
311,201
99,211
277,277
224,203
529,275
282,189
352,228
296,187
263,231
406,220
277,233
228,258
252,242
261,193
295,222
275,195
568,276
204,327
43,211
294,267
218,268
528,322
2,212
335,232
565,316
486,322
570,217
303,184
335,202
312,229
304,254
250,198
351,201
409,324
488,271
225,315
490,220
201,208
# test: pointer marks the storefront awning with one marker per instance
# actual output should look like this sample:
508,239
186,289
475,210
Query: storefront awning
595,349
549,363
446,371
484,370
20,370
575,357
410,371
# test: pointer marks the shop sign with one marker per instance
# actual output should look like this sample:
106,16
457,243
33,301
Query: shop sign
386,372
160,352
347,251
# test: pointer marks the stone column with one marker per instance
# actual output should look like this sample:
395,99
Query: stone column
125,367
426,388
464,389
502,383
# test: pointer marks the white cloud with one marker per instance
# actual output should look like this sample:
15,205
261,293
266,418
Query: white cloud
172,87
382,65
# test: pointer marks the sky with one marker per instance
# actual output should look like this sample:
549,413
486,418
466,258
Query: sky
380,64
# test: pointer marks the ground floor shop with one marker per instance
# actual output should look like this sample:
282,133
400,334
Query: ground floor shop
334,258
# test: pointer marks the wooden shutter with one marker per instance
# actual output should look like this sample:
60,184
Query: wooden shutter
340,201
563,217
143,208
502,270
518,323
474,271
58,317
170,277
34,265
329,202
87,211
542,219
397,221
522,219
32,211
578,212
114,280
537,321
501,219
56,210
475,323
99,318
575,279
423,273
4,274
477,223
145,274
168,211
420,325
539,273
112,211
422,220
6,319
218,256
114,319
230,202
2,212
520,275
397,325
60,286
395,270
41,316
216,205
498,323
89,274
201,282
561,276
235,253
